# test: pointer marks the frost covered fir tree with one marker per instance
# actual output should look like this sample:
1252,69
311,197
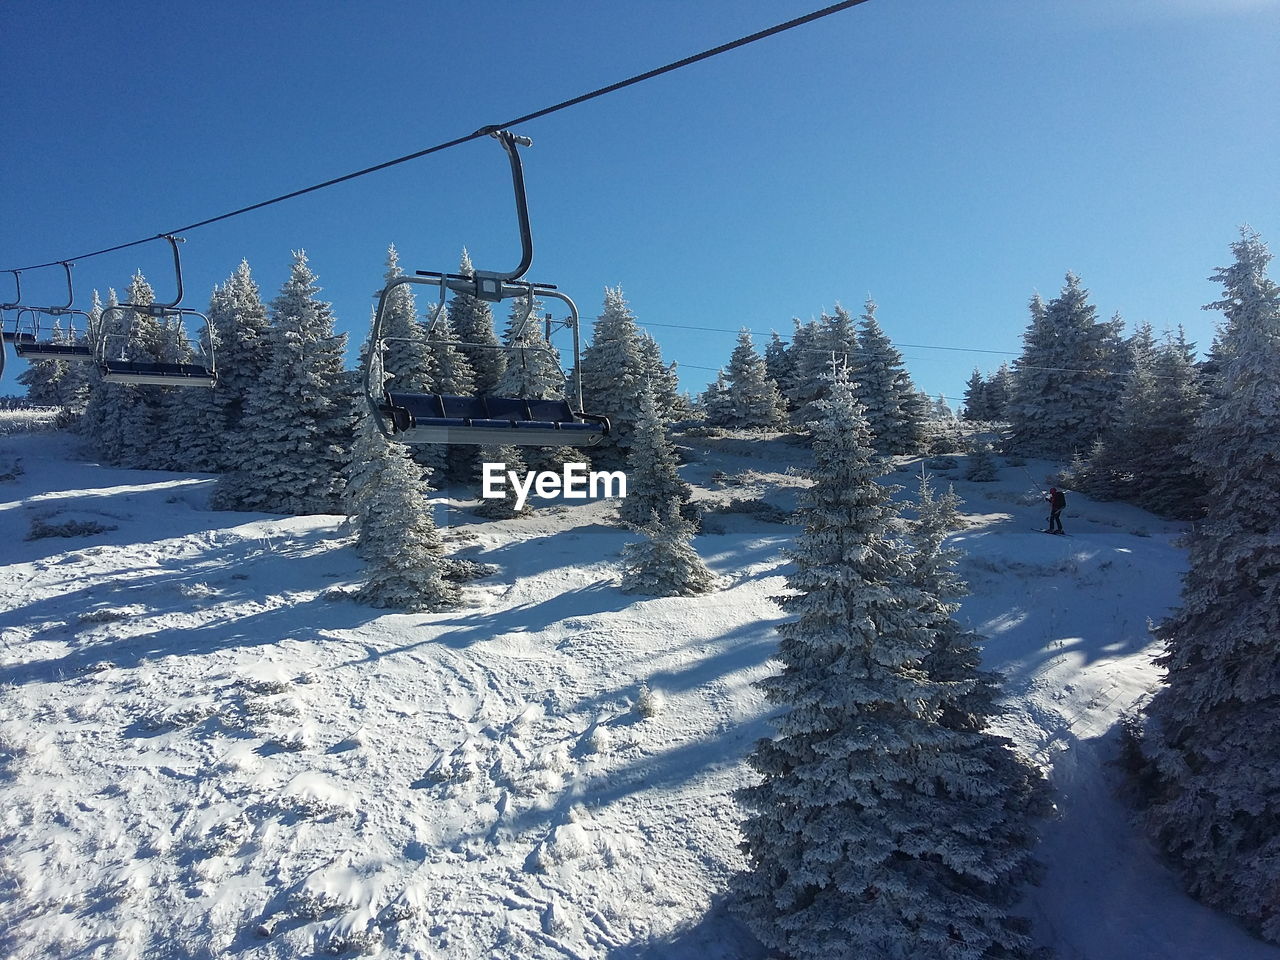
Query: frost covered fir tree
1143,457
239,322
955,656
504,507
663,377
73,385
297,419
975,400
982,466
832,338
999,389
778,363
104,408
615,367
141,420
753,397
717,402
473,322
664,563
406,357
1212,738
181,442
875,830
1067,382
453,374
387,495
43,378
652,480
533,365
885,389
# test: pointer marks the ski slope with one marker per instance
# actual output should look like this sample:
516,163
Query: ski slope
207,749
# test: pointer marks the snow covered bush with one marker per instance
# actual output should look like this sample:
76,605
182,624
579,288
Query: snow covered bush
650,702
42,527
876,830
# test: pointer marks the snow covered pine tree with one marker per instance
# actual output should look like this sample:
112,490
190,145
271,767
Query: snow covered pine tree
1212,738
876,831
652,480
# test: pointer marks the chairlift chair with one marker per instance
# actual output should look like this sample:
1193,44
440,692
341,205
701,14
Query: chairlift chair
112,353
415,418
31,342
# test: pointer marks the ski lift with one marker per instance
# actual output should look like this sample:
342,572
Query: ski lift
409,417
32,342
112,350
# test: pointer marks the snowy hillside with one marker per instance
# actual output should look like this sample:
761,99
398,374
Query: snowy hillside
207,749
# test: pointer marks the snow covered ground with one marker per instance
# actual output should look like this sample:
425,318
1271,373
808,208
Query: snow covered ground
207,750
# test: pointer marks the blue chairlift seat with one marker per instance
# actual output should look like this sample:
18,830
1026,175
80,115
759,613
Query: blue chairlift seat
440,418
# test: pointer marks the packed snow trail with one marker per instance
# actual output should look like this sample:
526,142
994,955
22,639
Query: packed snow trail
206,748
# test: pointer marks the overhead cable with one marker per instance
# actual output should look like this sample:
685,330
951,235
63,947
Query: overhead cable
482,132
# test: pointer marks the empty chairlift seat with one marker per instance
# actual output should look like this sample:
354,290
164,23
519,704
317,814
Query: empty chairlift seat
31,349
158,374
436,418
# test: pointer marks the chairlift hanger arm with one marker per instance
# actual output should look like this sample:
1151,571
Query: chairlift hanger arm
17,282
486,284
160,309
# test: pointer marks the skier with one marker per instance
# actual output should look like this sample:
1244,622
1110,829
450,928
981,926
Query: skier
1057,500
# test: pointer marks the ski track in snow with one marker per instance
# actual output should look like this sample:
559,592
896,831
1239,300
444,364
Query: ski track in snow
206,751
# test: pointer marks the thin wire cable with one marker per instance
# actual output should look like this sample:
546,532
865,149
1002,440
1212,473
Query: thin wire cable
482,132
921,346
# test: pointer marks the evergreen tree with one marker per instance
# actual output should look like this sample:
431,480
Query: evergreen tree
661,376
454,375
955,657
615,367
104,410
876,830
504,507
717,402
1143,456
942,409
998,390
472,320
753,397
885,390
975,398
210,423
652,480
982,466
664,563
389,502
1068,380
297,419
1213,731
533,365
406,358
140,418
810,364
43,378
73,386
779,364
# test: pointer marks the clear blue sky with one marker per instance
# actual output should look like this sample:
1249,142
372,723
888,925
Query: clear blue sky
948,159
